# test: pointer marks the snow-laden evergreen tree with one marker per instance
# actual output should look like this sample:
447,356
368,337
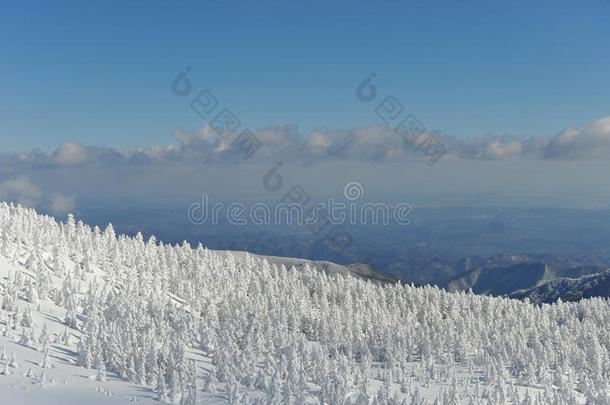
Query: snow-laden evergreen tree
13,362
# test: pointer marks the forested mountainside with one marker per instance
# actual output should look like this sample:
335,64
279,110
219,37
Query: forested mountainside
89,316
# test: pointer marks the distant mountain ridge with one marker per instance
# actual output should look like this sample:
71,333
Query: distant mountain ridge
568,289
543,280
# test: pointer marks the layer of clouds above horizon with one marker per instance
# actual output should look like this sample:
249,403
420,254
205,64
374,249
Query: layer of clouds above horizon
566,169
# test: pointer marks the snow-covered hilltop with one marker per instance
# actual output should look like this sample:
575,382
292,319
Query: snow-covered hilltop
96,318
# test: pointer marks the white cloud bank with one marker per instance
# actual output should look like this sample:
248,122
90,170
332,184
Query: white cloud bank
545,169
590,142
370,144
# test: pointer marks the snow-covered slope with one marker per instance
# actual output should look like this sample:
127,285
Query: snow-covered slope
361,270
92,318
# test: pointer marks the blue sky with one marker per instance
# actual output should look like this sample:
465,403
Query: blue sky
100,74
